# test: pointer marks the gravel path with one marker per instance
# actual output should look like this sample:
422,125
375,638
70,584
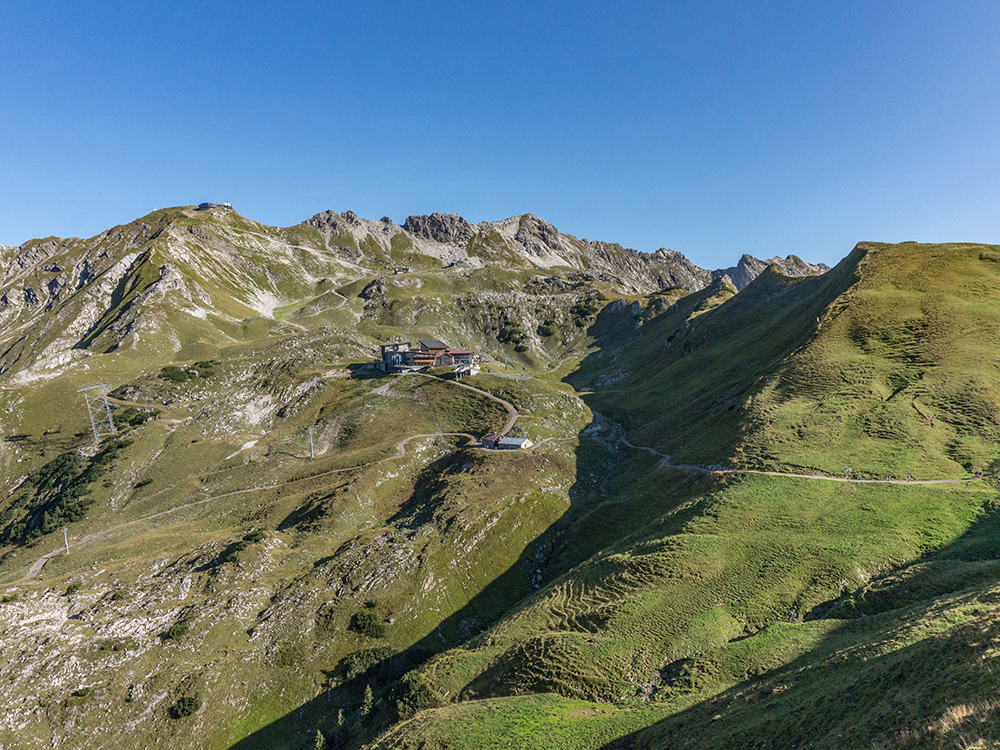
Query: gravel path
821,477
506,404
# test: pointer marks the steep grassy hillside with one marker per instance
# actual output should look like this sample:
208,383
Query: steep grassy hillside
901,376
278,542
676,382
690,609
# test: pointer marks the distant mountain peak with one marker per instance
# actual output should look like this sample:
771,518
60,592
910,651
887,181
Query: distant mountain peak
749,268
439,227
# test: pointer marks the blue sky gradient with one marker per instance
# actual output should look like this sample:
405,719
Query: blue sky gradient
713,128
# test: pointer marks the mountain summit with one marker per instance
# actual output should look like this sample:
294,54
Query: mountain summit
203,273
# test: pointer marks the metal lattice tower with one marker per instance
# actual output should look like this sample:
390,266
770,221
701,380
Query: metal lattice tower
98,409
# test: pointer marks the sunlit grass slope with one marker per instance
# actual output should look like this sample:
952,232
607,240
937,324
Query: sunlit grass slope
755,611
902,376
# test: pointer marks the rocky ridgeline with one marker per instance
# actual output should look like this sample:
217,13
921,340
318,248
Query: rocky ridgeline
749,268
528,241
177,270
440,227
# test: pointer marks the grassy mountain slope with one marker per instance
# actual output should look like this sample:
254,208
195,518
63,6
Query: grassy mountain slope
224,589
749,610
675,383
217,555
901,377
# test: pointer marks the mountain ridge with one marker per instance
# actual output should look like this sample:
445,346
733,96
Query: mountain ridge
217,268
280,541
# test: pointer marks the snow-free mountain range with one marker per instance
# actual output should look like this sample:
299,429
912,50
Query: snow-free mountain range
98,290
759,508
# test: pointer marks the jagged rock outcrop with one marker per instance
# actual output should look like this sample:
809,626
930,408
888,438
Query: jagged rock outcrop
527,240
439,227
648,271
749,268
329,223
537,237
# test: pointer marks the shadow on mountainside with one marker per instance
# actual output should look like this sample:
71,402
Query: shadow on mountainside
912,660
678,382
601,513
541,559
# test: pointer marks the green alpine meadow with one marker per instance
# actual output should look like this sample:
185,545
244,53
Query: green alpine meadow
248,497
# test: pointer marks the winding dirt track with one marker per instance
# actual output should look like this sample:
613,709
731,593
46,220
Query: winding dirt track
506,404
821,477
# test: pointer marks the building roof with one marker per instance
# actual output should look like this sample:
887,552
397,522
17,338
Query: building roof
460,351
432,344
491,436
513,441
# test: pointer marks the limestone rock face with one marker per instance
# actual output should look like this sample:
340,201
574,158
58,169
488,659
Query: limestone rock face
749,268
439,227
329,223
529,241
537,237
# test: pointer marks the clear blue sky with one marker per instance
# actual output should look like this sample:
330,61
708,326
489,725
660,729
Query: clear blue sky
713,128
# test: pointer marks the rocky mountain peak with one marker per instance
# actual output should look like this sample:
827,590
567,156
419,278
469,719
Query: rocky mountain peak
327,222
439,227
749,268
537,236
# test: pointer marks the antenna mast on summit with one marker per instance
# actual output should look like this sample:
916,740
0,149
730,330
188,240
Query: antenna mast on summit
95,396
